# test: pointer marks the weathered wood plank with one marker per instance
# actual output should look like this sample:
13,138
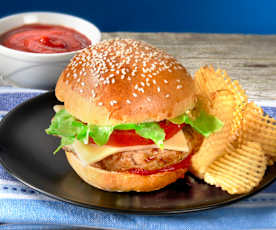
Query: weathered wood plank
251,59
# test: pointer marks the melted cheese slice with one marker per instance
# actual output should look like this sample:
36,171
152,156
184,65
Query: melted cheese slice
92,153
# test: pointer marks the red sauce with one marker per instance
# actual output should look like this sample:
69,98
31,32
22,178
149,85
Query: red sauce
40,38
182,164
130,138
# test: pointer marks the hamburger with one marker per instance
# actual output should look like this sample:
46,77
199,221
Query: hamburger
129,121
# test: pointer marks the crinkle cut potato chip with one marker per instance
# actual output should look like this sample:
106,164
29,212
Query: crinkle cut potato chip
213,146
235,160
208,81
260,128
238,170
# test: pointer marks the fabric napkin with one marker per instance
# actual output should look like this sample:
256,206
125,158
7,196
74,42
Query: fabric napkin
21,204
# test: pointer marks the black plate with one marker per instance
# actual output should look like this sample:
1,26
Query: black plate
26,152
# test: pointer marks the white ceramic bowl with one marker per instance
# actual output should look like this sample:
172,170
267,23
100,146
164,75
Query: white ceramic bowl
36,70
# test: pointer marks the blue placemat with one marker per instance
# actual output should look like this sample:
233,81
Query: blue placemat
20,204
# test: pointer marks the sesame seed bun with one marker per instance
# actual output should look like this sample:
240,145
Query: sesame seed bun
122,182
125,81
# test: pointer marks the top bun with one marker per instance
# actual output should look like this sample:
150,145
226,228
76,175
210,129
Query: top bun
125,81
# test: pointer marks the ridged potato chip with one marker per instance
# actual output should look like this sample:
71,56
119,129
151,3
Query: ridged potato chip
208,81
239,170
213,146
237,159
260,128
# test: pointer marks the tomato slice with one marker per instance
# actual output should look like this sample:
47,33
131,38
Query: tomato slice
130,138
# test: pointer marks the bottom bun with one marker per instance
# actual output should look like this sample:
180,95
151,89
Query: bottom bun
121,181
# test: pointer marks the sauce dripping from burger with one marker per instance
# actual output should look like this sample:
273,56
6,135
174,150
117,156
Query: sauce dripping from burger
182,164
122,138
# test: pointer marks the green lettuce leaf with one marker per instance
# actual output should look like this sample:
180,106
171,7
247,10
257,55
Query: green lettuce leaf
100,134
62,124
148,130
205,123
64,141
68,128
151,130
126,126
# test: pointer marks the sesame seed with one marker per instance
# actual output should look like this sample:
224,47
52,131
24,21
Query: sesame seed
82,83
141,90
148,99
100,104
142,83
66,82
128,101
113,102
167,95
158,89
106,82
81,91
102,59
179,86
134,95
113,80
178,80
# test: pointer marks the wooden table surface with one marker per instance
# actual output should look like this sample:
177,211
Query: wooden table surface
251,59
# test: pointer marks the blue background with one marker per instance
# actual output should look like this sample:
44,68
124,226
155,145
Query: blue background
212,16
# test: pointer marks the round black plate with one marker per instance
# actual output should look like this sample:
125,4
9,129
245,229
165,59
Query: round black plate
27,153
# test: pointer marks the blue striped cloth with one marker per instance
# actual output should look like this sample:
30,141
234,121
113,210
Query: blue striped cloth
21,204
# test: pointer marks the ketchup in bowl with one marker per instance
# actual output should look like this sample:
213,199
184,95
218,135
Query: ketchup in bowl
41,38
